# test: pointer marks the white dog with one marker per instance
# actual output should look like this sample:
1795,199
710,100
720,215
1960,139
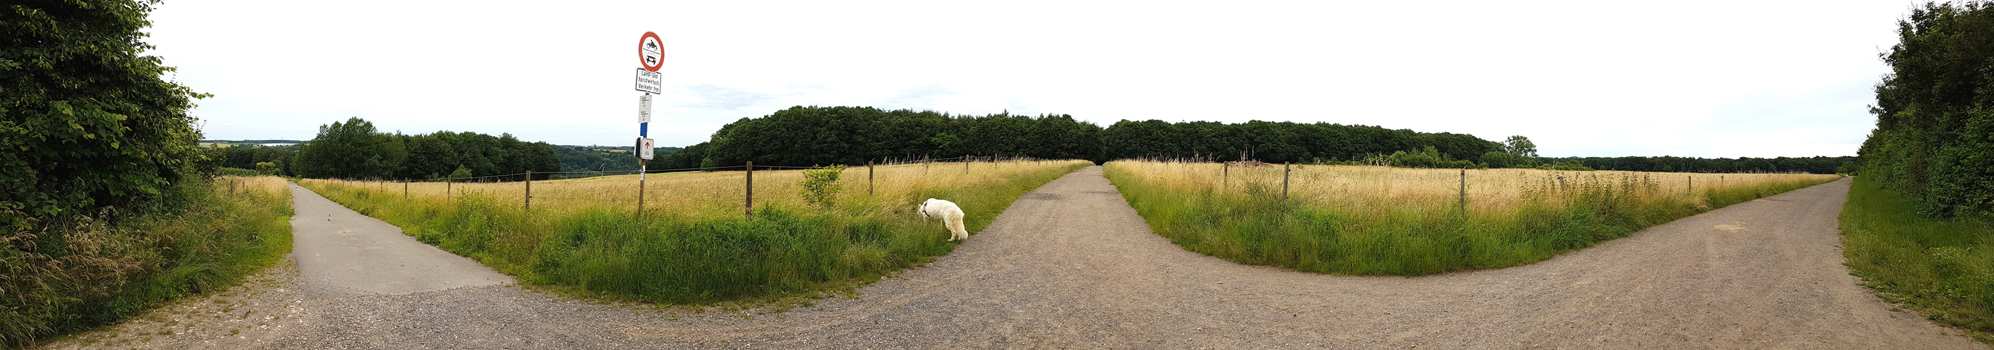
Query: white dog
950,214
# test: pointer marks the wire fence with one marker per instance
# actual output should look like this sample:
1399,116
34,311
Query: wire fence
1464,189
451,187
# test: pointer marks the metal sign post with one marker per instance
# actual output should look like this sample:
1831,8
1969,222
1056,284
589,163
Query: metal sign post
650,57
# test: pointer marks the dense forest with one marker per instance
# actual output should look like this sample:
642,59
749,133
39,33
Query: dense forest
1934,137
800,136
854,135
602,158
353,149
1815,165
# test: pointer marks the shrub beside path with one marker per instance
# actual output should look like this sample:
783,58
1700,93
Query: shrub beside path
1071,265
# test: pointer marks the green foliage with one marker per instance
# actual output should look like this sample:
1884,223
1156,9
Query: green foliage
461,173
1276,142
226,171
268,168
820,186
1934,137
1565,165
85,121
1810,165
1255,226
350,150
1944,268
252,157
581,158
355,150
116,265
854,135
687,257
1505,160
1427,158
1520,146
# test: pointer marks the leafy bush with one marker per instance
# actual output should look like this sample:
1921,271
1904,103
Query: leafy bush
820,186
1935,111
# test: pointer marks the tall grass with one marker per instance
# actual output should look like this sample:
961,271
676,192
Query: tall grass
1943,268
67,276
693,243
1371,220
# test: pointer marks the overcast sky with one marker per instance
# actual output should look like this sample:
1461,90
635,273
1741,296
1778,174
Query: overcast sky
1580,78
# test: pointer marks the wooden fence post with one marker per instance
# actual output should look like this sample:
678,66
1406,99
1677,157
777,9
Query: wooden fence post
1464,191
750,206
1285,169
529,191
1225,174
404,189
446,188
868,178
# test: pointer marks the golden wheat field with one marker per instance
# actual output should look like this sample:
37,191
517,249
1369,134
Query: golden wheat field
716,192
267,184
1356,187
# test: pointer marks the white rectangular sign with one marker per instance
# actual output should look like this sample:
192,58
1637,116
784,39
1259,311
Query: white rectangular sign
644,109
650,82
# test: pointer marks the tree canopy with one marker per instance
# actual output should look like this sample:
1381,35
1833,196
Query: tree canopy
1934,136
354,149
85,120
853,135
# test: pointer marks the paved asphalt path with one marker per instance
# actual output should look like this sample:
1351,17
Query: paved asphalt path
342,249
1072,266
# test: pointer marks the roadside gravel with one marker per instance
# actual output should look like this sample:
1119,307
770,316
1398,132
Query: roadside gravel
1072,266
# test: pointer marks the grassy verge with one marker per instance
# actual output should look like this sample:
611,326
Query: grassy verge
69,276
699,254
1942,268
1407,233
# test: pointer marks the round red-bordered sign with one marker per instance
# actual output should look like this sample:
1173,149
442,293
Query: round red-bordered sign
651,52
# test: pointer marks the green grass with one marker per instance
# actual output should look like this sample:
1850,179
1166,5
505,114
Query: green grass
1942,268
1255,226
699,256
72,276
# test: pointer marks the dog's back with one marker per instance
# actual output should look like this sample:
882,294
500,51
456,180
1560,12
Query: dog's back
950,214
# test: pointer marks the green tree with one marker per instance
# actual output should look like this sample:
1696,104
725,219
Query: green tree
350,150
87,125
1520,146
85,120
1935,112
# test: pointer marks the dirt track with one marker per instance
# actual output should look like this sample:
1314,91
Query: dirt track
1071,265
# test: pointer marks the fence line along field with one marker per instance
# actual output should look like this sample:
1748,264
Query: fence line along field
692,243
1405,221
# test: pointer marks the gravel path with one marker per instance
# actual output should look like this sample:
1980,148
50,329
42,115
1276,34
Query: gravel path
1072,266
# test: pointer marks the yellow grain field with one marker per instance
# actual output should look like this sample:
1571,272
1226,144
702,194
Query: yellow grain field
716,193
1380,188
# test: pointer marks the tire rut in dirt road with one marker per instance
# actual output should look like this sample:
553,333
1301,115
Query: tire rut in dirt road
1071,265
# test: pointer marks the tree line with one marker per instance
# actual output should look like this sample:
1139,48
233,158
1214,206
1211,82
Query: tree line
1934,136
1812,165
855,135
355,150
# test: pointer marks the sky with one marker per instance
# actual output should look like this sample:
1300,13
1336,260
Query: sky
1579,78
